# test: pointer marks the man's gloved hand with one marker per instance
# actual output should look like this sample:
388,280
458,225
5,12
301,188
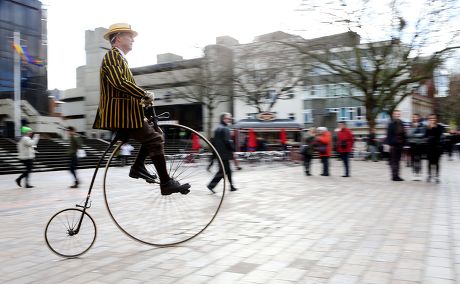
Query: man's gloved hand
148,98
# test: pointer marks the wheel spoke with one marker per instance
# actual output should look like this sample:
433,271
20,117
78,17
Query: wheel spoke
59,239
141,212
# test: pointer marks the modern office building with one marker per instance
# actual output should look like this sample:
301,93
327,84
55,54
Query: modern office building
29,19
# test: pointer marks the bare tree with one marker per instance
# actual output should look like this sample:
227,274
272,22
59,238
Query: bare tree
209,85
263,71
395,51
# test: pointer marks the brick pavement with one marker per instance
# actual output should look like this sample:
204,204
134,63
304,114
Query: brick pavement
281,227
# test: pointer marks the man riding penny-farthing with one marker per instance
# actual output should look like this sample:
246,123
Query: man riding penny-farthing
162,200
121,109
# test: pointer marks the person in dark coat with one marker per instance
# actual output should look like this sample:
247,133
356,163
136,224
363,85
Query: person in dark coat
224,146
345,142
372,144
307,150
396,139
433,135
416,140
75,144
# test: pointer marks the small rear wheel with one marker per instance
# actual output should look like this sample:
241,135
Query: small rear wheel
65,237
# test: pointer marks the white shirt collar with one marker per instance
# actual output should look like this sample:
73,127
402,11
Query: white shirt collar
122,53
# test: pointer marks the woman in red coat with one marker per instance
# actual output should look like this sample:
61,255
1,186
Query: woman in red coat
324,142
345,142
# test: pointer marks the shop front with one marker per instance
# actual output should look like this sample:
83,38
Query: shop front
266,135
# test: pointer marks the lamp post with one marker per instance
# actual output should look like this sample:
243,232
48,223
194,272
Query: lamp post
17,87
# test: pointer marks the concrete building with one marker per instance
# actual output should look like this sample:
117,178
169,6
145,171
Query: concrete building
245,79
81,102
194,91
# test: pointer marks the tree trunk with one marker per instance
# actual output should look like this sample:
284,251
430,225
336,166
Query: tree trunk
370,112
209,122
370,117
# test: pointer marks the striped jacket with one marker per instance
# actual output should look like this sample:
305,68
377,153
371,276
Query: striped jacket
119,103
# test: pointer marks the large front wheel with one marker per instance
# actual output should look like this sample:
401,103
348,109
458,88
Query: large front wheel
140,211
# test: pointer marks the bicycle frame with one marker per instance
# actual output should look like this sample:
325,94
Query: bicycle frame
85,206
117,137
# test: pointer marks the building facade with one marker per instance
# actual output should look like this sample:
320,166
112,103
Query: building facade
29,19
264,76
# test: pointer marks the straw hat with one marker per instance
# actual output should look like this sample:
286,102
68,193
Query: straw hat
119,28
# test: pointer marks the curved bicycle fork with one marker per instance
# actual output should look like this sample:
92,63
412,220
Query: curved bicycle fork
88,196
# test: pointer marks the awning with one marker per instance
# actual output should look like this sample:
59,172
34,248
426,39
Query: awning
277,124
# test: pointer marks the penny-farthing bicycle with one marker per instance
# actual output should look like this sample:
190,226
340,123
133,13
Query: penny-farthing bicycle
137,206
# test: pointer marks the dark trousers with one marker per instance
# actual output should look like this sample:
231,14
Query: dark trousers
123,160
28,164
151,140
345,157
433,156
307,162
73,167
152,145
325,162
395,158
416,157
220,174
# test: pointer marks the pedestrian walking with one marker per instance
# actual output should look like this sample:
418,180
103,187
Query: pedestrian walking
345,140
416,139
224,146
307,150
396,138
121,109
434,132
372,144
324,147
75,145
360,149
449,143
125,153
26,154
213,157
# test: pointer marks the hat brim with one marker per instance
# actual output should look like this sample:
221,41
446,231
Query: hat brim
121,30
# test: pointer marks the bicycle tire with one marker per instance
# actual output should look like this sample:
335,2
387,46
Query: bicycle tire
60,237
142,213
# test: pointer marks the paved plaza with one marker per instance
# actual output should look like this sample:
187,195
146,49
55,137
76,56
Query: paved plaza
280,227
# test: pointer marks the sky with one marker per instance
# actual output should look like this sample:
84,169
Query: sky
182,27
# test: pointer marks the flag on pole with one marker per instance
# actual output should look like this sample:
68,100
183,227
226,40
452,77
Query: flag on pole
25,55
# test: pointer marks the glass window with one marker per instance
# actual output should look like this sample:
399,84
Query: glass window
342,114
313,90
307,116
321,91
351,113
332,92
360,113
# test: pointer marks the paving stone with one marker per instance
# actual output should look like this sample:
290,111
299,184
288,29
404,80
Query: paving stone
343,279
414,275
439,272
259,276
352,269
273,230
376,277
